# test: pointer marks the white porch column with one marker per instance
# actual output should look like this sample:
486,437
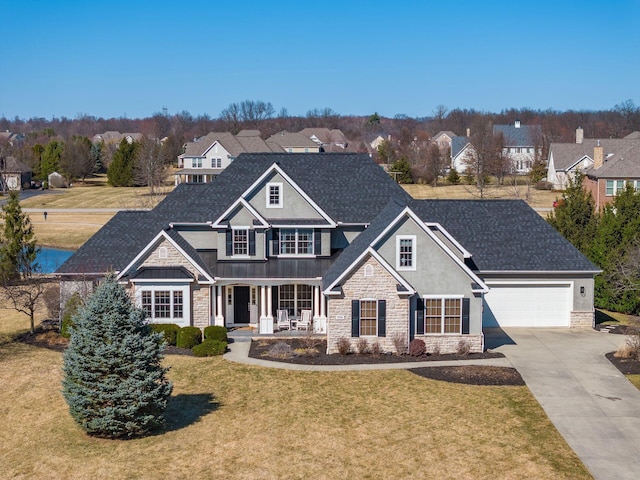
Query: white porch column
263,302
323,305
269,303
320,324
219,316
316,301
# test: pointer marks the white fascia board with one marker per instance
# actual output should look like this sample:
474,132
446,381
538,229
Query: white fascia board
245,204
151,244
423,226
259,281
204,154
581,159
295,186
465,253
371,251
161,280
539,272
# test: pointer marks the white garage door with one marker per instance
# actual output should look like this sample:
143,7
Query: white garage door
527,305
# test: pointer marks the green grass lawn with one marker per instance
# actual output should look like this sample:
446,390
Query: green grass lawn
228,420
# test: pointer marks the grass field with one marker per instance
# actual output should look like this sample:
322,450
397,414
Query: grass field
233,421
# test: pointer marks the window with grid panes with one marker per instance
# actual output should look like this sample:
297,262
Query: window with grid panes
162,304
240,241
368,317
177,304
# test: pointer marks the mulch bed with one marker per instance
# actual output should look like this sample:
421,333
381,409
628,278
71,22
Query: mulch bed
626,366
467,374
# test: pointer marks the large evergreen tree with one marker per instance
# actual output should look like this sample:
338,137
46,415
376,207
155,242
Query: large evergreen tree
114,382
120,172
50,158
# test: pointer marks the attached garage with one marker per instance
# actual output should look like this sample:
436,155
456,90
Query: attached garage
527,305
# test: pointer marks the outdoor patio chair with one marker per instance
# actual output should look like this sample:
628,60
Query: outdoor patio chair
283,320
305,320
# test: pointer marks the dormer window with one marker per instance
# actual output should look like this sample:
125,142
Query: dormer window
274,195
240,241
406,252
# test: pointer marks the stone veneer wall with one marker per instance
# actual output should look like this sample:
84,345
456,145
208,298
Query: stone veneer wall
451,343
380,286
582,319
200,312
174,258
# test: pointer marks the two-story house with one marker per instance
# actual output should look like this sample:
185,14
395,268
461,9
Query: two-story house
292,142
522,144
204,158
334,236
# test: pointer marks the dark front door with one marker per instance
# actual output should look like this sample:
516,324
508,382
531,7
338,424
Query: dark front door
240,304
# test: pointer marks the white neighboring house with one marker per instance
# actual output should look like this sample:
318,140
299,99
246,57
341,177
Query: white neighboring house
521,144
205,157
443,139
462,152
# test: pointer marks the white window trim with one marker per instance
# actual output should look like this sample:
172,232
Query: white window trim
215,161
297,244
296,298
414,257
280,203
233,246
442,310
360,316
186,303
196,159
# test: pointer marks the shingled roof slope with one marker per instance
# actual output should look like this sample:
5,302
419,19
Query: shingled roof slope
351,188
565,155
115,244
504,235
522,136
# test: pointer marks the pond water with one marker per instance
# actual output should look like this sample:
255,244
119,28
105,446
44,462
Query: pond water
51,258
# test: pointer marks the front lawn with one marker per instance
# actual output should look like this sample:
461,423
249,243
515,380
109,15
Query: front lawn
236,421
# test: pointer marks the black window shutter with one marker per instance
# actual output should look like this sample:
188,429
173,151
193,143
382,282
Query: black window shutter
382,318
275,234
355,318
274,302
229,243
317,242
465,315
252,243
420,316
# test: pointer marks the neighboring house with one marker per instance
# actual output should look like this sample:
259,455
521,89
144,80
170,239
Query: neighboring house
292,142
565,159
443,139
115,137
11,138
376,142
205,157
522,144
334,235
328,140
615,165
462,153
14,174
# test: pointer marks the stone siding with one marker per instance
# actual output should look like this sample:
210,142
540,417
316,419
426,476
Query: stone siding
174,258
200,312
451,343
582,319
380,286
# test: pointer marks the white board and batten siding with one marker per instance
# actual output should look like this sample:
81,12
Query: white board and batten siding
527,305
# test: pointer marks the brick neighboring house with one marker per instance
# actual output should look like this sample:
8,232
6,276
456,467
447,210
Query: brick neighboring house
334,236
615,165
14,174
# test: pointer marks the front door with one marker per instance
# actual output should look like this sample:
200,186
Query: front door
240,304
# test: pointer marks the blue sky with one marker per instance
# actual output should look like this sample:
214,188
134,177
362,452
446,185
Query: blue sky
132,58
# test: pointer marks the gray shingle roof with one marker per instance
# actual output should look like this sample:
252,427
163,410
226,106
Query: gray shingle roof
623,164
457,144
11,164
523,136
290,139
565,155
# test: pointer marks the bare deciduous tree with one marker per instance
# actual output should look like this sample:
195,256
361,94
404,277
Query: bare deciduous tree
150,164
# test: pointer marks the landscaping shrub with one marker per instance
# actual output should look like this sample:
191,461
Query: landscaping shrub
215,332
453,177
280,350
70,309
362,346
344,346
376,349
417,347
400,342
435,350
210,348
189,337
168,330
463,348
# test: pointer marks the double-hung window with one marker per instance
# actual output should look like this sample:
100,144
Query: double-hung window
274,195
406,252
295,298
240,241
442,315
368,318
196,162
216,163
296,241
163,304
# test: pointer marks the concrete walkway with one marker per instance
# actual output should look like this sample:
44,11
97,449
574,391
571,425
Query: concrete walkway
593,406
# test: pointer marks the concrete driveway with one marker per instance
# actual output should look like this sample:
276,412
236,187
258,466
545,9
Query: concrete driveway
593,406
